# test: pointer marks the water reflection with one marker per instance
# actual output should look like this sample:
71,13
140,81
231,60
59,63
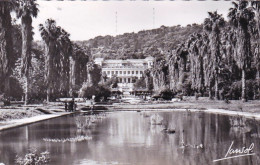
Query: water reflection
129,138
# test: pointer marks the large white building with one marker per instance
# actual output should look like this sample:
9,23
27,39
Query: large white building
125,70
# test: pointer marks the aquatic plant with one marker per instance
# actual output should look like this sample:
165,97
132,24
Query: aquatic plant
156,119
87,121
34,158
75,139
195,146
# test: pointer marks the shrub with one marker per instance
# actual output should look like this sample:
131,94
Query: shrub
234,90
99,91
140,84
187,90
167,94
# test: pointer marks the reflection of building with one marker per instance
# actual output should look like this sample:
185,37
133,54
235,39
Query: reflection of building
127,71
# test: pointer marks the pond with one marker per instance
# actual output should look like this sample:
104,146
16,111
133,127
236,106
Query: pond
130,138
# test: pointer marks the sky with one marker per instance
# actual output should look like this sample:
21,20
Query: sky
87,19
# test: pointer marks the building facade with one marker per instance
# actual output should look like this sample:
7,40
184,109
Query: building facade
127,71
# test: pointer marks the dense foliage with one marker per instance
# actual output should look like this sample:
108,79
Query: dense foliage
219,58
222,56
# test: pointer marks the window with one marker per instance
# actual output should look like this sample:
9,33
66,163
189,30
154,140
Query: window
112,72
128,72
136,72
141,72
116,72
108,72
120,72
129,80
124,72
133,72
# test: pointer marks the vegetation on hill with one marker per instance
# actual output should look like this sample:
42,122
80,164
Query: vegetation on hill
156,42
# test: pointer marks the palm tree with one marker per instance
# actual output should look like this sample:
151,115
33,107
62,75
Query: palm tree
256,6
177,65
26,9
212,25
208,63
6,46
65,48
148,80
90,69
194,45
159,73
50,33
78,68
240,17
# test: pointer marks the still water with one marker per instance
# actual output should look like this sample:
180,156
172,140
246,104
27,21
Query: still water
129,138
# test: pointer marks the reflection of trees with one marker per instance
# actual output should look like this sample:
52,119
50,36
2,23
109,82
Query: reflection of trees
215,133
129,135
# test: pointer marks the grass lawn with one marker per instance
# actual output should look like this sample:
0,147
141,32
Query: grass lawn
9,114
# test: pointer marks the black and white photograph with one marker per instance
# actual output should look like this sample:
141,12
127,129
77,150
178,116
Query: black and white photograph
129,82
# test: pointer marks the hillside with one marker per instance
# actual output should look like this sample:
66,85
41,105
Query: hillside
145,43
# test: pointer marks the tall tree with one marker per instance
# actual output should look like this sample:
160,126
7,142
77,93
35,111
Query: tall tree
6,46
194,45
256,6
212,25
58,49
178,66
240,17
160,72
26,9
49,34
78,68
65,48
94,73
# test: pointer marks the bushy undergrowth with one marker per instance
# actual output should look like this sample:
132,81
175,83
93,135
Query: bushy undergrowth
167,94
100,92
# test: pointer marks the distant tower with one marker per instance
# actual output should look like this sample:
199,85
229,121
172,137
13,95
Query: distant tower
116,22
153,17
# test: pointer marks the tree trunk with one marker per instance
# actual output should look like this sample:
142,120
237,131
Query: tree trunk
48,94
216,88
26,91
258,85
7,87
49,67
244,85
210,93
6,47
26,52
